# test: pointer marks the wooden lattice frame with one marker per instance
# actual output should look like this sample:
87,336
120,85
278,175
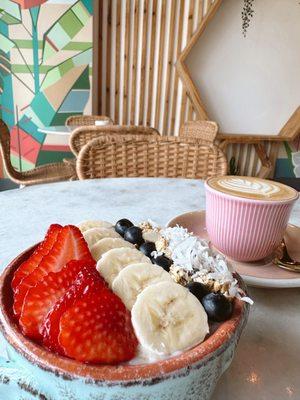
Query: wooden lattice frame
289,131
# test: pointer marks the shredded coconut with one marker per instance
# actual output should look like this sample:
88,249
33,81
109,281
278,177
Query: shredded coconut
194,260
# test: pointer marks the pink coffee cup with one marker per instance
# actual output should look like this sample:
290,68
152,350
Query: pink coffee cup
241,226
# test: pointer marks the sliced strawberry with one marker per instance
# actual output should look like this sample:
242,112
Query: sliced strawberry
69,245
41,298
98,329
86,281
43,248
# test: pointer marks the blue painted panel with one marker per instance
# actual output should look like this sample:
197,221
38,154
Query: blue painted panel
75,101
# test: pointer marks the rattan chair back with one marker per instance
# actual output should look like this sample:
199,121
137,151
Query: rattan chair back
86,120
204,131
81,136
170,157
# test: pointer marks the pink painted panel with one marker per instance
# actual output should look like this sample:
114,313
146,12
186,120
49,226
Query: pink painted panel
29,147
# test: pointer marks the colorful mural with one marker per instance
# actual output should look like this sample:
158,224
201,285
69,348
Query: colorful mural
45,73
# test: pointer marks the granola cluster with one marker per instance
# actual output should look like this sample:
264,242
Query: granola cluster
183,277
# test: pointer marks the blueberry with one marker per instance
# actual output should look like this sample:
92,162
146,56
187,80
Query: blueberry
164,262
122,225
147,248
198,289
134,235
217,307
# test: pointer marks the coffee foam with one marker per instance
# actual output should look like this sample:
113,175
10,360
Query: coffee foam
252,188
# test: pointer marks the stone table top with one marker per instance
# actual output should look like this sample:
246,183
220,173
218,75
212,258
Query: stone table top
266,365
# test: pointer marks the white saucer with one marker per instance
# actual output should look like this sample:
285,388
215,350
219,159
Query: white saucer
261,273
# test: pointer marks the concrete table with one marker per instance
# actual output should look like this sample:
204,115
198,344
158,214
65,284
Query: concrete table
267,362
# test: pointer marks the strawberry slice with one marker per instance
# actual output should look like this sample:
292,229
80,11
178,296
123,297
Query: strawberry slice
40,298
86,280
98,329
69,245
42,249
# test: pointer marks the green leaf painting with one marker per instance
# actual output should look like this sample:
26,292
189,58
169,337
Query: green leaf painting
56,73
10,12
65,28
44,72
6,44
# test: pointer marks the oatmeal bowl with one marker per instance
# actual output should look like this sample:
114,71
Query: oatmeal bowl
104,311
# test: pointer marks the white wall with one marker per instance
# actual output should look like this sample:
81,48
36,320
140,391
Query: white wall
252,84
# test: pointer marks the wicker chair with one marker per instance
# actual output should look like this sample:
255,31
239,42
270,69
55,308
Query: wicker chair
204,131
44,174
81,136
85,120
171,157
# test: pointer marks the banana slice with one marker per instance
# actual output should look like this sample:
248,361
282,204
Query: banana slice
104,245
85,225
113,261
93,235
167,318
133,279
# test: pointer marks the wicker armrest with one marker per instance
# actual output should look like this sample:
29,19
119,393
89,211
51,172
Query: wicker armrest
43,174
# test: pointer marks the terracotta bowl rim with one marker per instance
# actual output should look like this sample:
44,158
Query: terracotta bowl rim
71,369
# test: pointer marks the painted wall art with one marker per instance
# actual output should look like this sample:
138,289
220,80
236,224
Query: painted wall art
45,73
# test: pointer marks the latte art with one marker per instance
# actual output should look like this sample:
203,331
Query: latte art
252,188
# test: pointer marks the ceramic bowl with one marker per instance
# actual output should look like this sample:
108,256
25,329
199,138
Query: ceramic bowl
32,372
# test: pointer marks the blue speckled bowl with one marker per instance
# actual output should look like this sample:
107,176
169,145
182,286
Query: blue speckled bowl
31,372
